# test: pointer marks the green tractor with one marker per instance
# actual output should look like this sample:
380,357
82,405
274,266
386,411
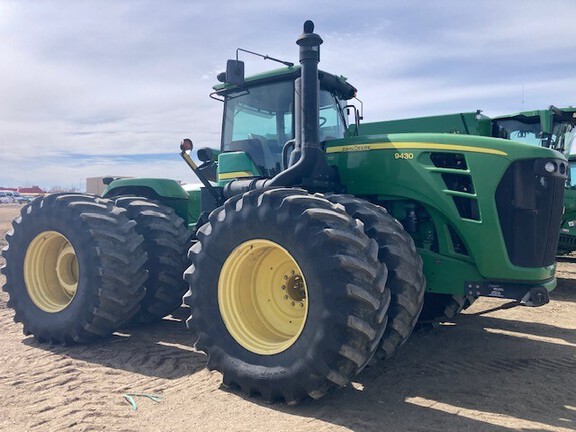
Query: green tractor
567,242
553,128
309,248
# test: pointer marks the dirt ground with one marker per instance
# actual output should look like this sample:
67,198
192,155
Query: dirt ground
487,370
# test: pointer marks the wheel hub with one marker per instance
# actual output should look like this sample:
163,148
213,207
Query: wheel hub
67,269
51,271
262,297
295,288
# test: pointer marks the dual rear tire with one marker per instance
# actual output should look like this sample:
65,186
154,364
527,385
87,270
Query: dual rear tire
166,241
289,295
79,267
406,279
75,268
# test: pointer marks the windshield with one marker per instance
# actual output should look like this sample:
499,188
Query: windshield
530,132
515,130
260,121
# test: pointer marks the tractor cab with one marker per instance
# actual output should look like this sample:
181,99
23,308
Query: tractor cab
553,128
258,124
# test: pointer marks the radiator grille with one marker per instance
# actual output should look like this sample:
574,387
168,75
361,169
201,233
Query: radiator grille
529,202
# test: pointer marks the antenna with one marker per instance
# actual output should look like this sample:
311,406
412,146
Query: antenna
522,96
265,57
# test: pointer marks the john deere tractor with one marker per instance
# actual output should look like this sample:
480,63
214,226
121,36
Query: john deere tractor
311,241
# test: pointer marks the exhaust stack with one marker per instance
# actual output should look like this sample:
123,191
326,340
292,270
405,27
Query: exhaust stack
307,166
307,134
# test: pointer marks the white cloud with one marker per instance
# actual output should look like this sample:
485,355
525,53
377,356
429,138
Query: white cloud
106,77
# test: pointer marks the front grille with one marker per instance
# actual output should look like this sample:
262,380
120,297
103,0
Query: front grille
529,202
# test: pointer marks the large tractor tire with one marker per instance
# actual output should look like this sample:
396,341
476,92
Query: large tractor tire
166,241
74,268
406,280
285,293
442,307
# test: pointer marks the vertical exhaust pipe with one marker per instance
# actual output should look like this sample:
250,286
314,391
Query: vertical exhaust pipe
309,43
308,166
307,92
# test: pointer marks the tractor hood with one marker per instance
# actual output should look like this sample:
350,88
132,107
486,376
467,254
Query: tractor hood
449,142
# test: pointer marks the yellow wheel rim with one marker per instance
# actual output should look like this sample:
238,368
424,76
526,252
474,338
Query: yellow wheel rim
262,296
51,271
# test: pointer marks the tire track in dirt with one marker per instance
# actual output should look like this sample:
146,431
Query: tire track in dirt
66,392
7,325
507,366
522,370
71,392
82,387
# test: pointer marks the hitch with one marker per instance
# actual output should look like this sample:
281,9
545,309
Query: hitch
535,297
524,295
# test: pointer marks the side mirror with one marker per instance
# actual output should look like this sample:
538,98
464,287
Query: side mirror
235,72
547,121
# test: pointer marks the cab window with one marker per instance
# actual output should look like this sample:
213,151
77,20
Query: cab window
260,120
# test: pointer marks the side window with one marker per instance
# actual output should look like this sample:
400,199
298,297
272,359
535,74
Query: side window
331,123
259,121
249,122
571,183
288,127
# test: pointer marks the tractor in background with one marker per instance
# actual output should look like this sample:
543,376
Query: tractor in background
309,247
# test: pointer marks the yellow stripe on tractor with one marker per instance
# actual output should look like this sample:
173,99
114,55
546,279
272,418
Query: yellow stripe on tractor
412,145
235,174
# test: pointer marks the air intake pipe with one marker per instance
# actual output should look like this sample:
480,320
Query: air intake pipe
308,166
307,149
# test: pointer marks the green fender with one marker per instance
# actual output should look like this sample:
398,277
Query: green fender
185,200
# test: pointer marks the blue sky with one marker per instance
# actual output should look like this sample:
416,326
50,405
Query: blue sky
110,87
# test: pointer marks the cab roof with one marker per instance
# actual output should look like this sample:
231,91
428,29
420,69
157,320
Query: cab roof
328,81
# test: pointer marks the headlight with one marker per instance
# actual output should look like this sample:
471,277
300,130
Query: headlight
550,167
